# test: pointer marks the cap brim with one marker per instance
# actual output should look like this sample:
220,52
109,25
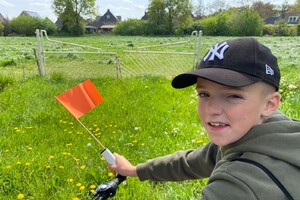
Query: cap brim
218,75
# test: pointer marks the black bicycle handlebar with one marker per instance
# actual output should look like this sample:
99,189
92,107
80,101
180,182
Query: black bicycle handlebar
107,190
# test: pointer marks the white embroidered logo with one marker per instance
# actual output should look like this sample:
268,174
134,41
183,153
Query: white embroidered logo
269,70
217,50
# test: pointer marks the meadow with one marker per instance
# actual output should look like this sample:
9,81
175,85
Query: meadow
46,154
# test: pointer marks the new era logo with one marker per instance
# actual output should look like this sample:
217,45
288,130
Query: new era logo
269,70
217,50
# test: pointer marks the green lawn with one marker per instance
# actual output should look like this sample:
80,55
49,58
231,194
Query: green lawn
46,154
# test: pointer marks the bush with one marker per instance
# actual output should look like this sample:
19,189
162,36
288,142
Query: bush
26,25
1,29
269,29
131,27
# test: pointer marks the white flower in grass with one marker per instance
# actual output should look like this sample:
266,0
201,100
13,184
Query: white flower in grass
292,86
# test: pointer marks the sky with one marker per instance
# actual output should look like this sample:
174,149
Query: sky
133,9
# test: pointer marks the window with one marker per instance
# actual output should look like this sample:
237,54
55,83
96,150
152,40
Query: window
293,19
107,16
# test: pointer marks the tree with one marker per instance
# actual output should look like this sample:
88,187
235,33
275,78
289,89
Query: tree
71,12
265,10
245,23
168,13
200,9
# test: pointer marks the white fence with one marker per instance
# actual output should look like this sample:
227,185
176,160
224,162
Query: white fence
82,61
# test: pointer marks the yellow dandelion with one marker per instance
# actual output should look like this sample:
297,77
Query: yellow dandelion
110,174
27,164
69,144
61,167
82,188
70,180
76,159
20,196
71,123
102,158
51,157
92,191
29,148
19,163
93,187
48,167
75,198
6,151
8,167
78,184
82,167
143,144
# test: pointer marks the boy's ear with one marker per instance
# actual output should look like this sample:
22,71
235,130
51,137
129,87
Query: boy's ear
272,103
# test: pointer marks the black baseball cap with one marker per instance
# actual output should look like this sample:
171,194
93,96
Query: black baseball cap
236,63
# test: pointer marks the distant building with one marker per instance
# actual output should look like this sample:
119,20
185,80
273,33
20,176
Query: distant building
289,18
146,16
30,14
106,22
3,20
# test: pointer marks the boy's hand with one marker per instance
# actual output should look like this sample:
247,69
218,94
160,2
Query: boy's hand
122,166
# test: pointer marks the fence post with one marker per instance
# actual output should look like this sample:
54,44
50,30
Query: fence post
199,48
39,53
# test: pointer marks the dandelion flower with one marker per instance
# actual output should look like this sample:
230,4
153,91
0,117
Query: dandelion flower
75,198
78,184
27,164
110,174
70,180
61,167
20,196
51,157
19,163
82,167
8,167
81,188
92,186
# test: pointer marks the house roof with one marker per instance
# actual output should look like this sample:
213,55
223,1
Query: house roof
107,18
2,19
30,14
289,18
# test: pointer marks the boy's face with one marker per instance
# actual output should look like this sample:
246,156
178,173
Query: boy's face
228,113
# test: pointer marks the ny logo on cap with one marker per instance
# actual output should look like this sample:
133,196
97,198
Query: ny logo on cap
269,70
217,50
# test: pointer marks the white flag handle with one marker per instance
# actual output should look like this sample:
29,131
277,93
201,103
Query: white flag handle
109,157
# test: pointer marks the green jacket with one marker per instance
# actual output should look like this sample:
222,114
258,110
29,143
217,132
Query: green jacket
275,144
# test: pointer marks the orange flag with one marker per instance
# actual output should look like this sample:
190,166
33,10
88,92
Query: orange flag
80,99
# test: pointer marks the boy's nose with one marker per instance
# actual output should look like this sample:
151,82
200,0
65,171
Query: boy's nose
214,107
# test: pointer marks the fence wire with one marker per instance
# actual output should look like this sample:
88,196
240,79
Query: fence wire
81,61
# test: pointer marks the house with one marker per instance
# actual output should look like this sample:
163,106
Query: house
289,18
30,14
3,20
146,16
106,22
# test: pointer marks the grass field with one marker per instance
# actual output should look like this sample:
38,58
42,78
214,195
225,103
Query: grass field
45,154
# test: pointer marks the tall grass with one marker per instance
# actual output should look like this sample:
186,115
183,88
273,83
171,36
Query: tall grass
45,154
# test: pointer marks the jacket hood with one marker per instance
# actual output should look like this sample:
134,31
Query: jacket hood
278,138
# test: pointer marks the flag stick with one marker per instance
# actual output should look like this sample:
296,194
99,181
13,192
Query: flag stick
90,133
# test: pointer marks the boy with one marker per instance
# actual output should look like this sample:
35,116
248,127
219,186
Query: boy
254,149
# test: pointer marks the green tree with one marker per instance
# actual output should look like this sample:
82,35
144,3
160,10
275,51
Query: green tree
164,15
24,25
1,29
71,12
245,23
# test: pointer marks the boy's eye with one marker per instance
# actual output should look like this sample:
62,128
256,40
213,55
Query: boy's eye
235,96
203,94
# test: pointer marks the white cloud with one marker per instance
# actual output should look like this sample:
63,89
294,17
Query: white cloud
6,4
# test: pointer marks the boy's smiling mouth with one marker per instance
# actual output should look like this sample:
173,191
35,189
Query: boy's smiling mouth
217,124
